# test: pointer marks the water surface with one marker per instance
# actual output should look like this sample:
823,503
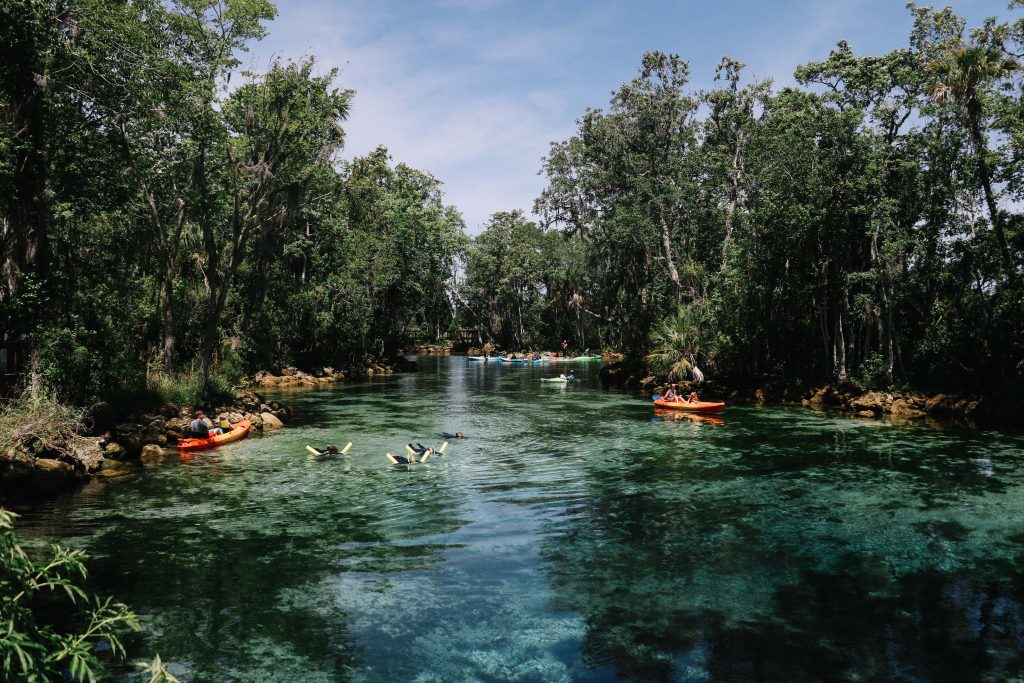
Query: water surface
575,535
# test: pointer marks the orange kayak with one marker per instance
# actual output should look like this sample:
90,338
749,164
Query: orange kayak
699,406
239,430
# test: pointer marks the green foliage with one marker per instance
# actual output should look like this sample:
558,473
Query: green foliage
820,232
503,285
679,344
51,625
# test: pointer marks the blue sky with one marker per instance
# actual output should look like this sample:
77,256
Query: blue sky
474,91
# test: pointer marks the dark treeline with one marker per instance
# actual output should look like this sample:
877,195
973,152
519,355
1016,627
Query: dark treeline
161,223
865,225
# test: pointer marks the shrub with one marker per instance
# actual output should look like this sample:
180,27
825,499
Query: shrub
51,625
39,423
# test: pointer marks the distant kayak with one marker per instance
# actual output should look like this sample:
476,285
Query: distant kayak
557,380
514,361
576,359
699,406
481,359
238,431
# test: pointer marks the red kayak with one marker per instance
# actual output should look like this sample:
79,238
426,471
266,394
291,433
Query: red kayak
239,430
697,406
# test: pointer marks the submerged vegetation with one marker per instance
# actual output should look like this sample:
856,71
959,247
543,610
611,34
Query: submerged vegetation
166,229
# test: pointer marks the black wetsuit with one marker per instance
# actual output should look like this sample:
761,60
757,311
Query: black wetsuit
449,435
402,460
419,448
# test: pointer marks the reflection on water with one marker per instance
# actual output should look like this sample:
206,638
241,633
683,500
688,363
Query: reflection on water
576,534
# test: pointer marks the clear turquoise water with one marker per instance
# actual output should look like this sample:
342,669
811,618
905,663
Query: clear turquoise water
575,535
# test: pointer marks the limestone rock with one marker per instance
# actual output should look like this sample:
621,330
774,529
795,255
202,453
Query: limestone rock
176,428
905,409
940,404
868,401
152,451
270,421
114,451
51,476
89,454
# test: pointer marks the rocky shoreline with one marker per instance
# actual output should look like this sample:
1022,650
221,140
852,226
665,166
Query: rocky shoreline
907,406
293,377
30,470
27,472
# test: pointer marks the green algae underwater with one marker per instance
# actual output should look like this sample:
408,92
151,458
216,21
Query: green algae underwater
575,535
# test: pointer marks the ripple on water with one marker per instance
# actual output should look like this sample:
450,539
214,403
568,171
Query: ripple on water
574,535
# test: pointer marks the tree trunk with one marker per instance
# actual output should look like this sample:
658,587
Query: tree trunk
984,175
666,244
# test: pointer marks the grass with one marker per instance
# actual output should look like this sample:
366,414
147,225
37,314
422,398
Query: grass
40,423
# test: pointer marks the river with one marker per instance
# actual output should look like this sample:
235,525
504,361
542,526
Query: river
574,535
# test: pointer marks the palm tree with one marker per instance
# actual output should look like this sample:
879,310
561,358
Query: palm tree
675,345
960,77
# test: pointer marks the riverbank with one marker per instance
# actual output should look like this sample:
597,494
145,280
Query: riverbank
847,397
43,461
29,469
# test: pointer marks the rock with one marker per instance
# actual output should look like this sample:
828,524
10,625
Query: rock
130,437
404,364
152,451
647,382
89,454
115,451
288,372
51,476
905,409
868,401
176,427
281,415
15,468
270,421
940,404
866,413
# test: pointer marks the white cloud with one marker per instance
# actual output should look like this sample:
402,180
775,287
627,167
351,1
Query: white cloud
472,125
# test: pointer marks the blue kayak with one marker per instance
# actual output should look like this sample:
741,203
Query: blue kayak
515,361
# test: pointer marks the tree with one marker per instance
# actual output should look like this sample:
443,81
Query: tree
962,74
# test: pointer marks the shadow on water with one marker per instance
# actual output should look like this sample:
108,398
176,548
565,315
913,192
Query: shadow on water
574,535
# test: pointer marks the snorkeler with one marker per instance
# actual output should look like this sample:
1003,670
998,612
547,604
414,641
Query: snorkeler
456,435
397,459
329,449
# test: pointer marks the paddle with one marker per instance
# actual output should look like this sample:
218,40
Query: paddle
655,397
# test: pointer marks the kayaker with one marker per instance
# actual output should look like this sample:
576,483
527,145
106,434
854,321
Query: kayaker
671,394
693,398
200,427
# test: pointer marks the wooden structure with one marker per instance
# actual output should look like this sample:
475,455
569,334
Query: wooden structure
14,362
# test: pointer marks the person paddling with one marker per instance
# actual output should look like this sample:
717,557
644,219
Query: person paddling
671,395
